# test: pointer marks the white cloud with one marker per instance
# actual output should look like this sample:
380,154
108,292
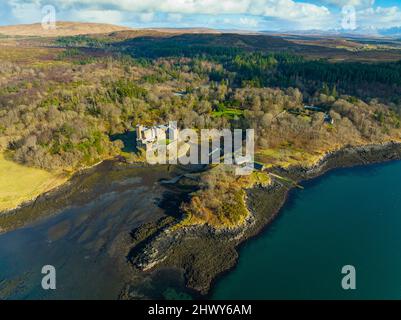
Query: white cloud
302,14
26,12
379,18
100,16
271,8
252,14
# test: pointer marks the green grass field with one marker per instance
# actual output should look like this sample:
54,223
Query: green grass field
19,183
229,113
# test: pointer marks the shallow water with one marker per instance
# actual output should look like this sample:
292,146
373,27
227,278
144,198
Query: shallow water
85,240
347,217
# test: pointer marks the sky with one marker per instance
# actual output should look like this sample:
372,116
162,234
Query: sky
253,15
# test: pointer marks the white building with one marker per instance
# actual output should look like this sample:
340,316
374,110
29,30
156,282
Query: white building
150,137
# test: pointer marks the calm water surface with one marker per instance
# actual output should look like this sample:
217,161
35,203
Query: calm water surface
347,217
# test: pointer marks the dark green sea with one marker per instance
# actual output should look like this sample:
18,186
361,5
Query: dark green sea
347,217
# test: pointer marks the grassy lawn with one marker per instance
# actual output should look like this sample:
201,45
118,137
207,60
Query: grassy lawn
229,113
19,183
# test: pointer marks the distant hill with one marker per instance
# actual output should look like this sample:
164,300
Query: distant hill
158,32
394,32
62,29
79,28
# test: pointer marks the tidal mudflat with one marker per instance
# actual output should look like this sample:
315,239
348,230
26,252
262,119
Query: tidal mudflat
84,235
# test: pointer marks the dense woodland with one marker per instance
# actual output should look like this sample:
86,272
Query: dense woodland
260,62
272,66
62,110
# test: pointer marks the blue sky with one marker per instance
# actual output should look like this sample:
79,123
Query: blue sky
275,15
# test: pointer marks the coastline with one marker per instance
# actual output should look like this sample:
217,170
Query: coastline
316,175
183,247
66,179
203,254
9,220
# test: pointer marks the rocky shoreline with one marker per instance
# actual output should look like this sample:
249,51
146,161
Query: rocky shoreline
204,254
200,254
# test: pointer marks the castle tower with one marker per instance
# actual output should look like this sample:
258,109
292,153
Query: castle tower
139,129
173,131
